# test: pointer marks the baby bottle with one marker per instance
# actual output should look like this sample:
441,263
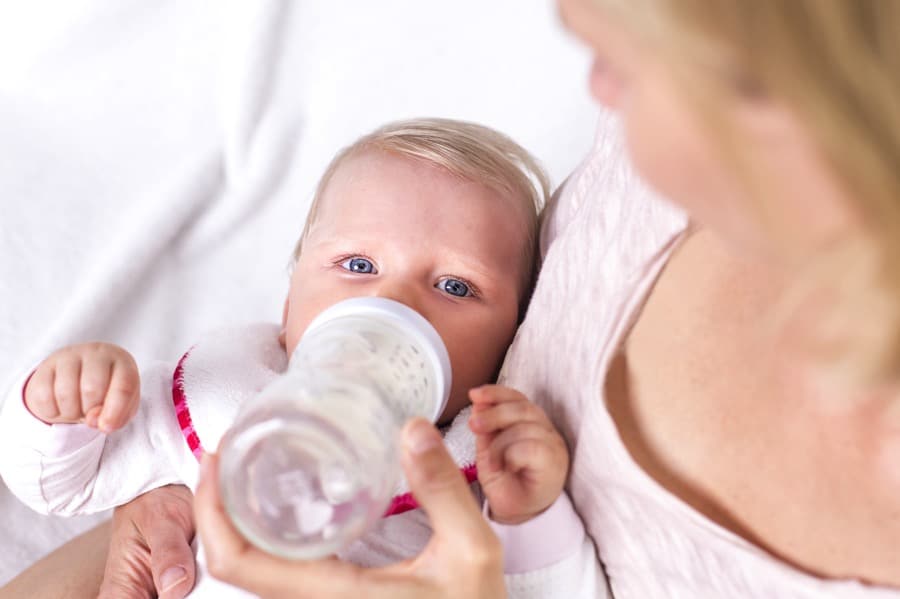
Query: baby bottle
312,462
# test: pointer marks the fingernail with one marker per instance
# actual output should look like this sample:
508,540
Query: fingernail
172,578
419,436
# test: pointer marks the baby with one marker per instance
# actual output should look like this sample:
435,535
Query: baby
440,215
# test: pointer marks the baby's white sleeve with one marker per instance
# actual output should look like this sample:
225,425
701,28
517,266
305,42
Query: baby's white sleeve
70,469
551,556
578,576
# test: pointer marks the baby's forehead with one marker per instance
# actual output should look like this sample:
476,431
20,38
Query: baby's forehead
361,164
365,174
379,186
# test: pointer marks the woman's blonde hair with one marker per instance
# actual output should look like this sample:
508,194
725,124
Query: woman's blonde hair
467,150
836,64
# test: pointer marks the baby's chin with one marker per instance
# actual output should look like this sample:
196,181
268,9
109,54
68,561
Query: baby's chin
444,422
450,412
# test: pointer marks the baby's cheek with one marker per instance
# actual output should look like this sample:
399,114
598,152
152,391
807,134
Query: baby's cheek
480,363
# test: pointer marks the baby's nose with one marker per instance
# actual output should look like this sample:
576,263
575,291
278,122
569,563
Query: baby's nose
402,292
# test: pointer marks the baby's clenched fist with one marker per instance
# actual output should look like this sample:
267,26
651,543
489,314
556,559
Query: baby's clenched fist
522,459
94,383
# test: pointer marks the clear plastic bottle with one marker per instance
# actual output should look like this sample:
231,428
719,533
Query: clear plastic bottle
313,461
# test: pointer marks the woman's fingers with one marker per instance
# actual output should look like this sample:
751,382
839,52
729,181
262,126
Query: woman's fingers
231,558
149,552
169,540
463,558
224,546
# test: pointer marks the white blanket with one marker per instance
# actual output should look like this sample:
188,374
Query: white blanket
157,158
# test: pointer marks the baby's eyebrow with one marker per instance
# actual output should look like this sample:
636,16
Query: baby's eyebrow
483,275
342,243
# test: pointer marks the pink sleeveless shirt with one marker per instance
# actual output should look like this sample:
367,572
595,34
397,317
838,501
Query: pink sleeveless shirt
604,242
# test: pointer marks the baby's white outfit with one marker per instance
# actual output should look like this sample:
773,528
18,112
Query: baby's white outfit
71,469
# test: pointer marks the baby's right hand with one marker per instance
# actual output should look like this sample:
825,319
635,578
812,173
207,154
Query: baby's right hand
94,383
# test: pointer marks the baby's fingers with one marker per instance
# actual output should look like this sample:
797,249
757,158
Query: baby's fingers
488,395
511,450
122,395
499,416
39,396
533,454
67,386
96,371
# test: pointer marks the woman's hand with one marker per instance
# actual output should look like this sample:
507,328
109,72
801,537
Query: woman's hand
149,551
463,559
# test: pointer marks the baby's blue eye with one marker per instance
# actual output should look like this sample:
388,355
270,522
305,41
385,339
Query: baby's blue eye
454,287
359,265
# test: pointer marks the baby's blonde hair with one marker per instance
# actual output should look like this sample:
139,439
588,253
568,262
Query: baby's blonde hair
836,63
467,150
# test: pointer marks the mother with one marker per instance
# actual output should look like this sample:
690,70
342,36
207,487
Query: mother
726,369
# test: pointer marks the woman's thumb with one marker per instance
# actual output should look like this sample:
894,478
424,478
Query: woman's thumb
439,486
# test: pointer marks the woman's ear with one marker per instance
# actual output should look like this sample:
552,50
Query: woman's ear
765,120
284,315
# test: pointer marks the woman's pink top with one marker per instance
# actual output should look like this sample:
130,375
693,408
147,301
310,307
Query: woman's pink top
604,242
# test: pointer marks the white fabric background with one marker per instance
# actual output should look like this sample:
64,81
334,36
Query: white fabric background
157,158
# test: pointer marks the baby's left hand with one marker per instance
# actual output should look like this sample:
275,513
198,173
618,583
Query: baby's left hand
522,460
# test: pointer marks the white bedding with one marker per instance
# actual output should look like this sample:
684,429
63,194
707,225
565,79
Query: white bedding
157,158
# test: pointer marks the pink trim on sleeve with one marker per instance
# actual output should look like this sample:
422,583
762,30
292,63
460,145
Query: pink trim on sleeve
548,538
179,399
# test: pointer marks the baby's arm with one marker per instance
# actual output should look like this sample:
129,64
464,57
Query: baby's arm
522,467
54,455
